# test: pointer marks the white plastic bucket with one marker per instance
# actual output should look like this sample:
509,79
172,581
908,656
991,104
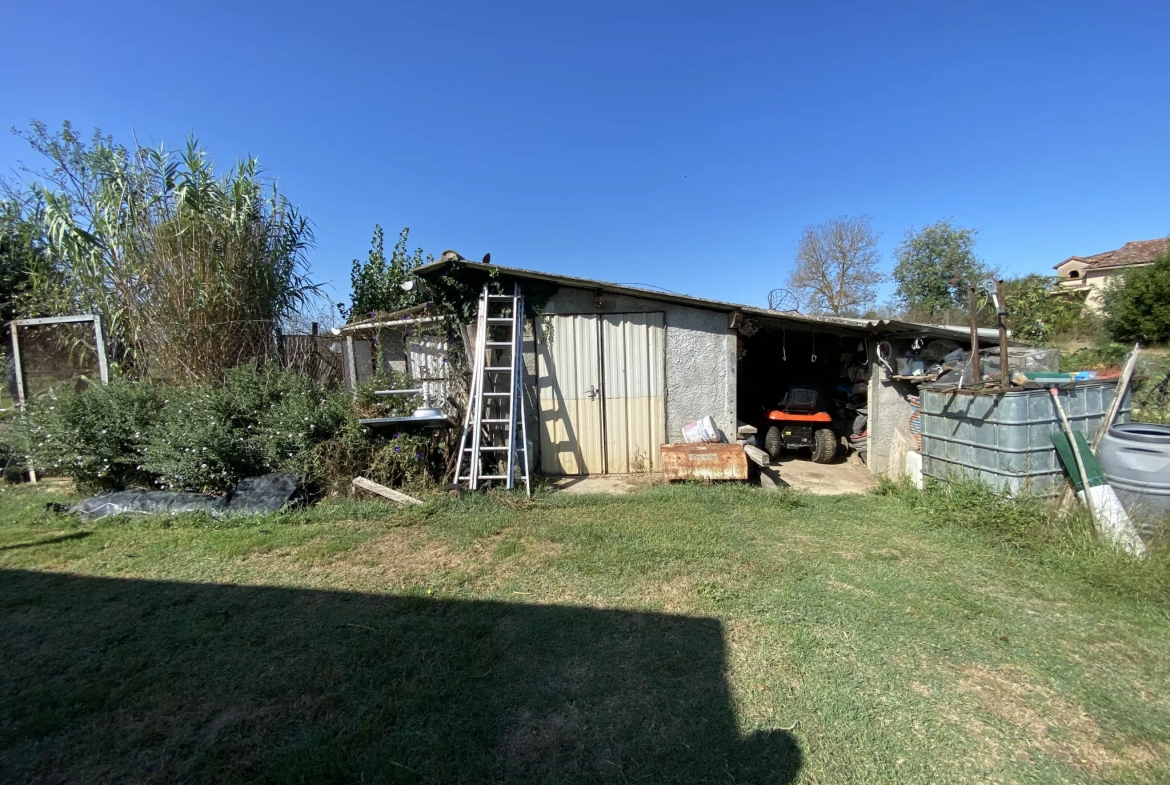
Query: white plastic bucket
701,431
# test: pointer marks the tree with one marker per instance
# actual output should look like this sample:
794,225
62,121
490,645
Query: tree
836,266
192,270
1137,303
934,268
377,282
1035,314
19,252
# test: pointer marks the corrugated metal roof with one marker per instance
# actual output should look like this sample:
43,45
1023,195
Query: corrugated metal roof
857,326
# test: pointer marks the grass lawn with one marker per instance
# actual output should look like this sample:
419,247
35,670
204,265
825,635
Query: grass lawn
682,634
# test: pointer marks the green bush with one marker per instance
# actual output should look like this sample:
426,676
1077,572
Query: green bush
260,419
208,437
392,457
1034,315
97,437
1137,304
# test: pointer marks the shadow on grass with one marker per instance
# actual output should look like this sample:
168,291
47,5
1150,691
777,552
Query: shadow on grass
46,541
143,681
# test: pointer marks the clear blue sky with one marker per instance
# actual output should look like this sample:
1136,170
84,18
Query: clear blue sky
680,144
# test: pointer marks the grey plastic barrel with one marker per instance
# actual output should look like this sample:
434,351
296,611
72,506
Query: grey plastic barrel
1136,459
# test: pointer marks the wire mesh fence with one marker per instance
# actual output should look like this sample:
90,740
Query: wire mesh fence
52,357
317,356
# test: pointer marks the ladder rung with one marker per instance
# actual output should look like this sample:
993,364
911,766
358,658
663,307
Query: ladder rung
493,449
504,420
493,476
498,368
501,297
497,395
500,320
499,343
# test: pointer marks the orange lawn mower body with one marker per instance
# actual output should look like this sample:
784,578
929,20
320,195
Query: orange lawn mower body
801,422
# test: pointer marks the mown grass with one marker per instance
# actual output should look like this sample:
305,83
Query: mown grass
681,634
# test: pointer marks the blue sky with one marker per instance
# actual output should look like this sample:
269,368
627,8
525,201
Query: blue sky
679,144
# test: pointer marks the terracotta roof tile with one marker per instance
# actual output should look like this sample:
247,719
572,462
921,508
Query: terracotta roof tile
1135,252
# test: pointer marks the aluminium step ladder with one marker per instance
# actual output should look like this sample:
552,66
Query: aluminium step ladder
492,447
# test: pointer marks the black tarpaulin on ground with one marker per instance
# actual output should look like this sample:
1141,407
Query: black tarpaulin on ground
251,496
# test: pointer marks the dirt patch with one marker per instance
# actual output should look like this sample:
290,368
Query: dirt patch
824,479
542,549
540,745
1045,722
849,588
400,557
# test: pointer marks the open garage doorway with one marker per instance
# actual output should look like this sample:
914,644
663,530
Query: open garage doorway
804,390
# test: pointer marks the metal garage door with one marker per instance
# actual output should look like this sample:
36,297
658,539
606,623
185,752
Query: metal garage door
602,392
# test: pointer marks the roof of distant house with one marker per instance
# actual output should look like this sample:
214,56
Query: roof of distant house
1135,252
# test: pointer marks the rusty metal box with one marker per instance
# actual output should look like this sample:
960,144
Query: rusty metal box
704,462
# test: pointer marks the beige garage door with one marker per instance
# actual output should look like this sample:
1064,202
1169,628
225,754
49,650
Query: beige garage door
602,392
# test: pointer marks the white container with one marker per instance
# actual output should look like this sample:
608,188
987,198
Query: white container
903,363
702,431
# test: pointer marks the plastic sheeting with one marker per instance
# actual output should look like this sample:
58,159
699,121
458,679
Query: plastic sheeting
251,496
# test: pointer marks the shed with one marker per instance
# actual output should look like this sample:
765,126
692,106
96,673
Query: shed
614,371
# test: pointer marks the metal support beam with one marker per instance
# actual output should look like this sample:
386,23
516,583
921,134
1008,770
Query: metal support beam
16,364
976,372
351,363
99,339
53,320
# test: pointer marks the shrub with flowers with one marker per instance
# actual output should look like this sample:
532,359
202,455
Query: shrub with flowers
97,436
260,419
208,437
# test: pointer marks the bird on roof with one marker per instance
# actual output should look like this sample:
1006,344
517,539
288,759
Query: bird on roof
487,258
451,256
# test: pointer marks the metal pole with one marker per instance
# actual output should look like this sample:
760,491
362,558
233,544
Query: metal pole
19,370
1004,372
99,339
351,363
976,373
17,366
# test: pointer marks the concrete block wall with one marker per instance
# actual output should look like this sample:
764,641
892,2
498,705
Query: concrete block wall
889,411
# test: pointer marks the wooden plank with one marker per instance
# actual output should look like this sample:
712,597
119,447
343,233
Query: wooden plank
757,456
382,490
1122,387
704,462
770,479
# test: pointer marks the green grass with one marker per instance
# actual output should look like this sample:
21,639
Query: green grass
682,634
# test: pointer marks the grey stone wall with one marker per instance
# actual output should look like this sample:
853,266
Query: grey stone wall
888,411
700,356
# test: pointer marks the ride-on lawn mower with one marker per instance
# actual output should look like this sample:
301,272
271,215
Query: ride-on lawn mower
801,420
